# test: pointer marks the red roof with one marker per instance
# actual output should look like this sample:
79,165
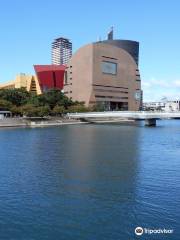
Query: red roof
42,68
50,76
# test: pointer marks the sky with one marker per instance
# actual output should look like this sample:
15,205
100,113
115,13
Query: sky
27,29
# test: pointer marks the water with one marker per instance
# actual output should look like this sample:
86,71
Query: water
89,182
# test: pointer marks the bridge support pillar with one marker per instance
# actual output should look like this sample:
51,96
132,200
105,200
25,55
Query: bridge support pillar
150,122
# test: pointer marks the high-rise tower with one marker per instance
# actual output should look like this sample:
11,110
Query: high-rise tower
61,51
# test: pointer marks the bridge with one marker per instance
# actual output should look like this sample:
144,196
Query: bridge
149,117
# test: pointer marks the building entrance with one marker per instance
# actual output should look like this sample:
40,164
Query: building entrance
118,106
113,106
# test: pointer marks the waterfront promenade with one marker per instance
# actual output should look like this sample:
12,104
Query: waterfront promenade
91,117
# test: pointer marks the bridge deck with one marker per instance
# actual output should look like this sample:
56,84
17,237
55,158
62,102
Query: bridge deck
141,115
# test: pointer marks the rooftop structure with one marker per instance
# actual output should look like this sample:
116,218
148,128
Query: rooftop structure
50,76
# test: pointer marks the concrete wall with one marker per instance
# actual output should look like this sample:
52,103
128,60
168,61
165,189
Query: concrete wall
79,75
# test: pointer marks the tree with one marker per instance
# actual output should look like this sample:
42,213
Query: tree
58,110
17,97
16,110
54,97
98,108
29,110
43,111
5,105
78,108
19,101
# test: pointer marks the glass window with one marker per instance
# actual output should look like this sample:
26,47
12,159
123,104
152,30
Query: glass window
137,95
109,67
65,78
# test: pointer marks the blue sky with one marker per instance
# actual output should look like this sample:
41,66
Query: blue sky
28,28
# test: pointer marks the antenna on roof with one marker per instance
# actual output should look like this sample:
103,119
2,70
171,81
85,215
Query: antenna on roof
99,39
110,34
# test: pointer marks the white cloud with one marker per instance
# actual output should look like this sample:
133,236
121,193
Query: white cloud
155,89
176,83
146,84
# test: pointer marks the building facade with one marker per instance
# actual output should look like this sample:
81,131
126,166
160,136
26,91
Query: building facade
47,77
165,106
104,74
29,82
154,106
172,106
61,51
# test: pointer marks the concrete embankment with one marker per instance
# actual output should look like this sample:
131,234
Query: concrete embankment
13,122
45,122
48,123
34,122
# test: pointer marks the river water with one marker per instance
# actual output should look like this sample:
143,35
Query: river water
88,182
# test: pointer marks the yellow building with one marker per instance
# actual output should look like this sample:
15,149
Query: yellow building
29,82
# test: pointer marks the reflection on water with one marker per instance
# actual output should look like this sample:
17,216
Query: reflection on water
89,181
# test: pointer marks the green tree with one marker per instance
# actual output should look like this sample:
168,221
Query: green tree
78,108
53,101
43,111
98,108
29,110
17,97
16,110
54,97
5,105
58,110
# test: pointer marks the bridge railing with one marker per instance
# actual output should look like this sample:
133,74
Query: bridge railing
126,114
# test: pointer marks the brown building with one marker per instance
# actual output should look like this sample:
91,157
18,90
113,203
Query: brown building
103,74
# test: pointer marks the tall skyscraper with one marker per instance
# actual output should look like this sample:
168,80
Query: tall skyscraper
61,51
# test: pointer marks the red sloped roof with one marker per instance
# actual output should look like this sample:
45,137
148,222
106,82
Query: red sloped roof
43,68
50,76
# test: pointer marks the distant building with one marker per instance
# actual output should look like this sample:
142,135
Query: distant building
167,106
22,80
61,51
153,106
47,77
172,106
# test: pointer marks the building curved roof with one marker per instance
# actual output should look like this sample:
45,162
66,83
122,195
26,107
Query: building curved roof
132,47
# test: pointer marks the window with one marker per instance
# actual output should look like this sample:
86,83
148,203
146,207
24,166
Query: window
109,67
137,95
65,78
